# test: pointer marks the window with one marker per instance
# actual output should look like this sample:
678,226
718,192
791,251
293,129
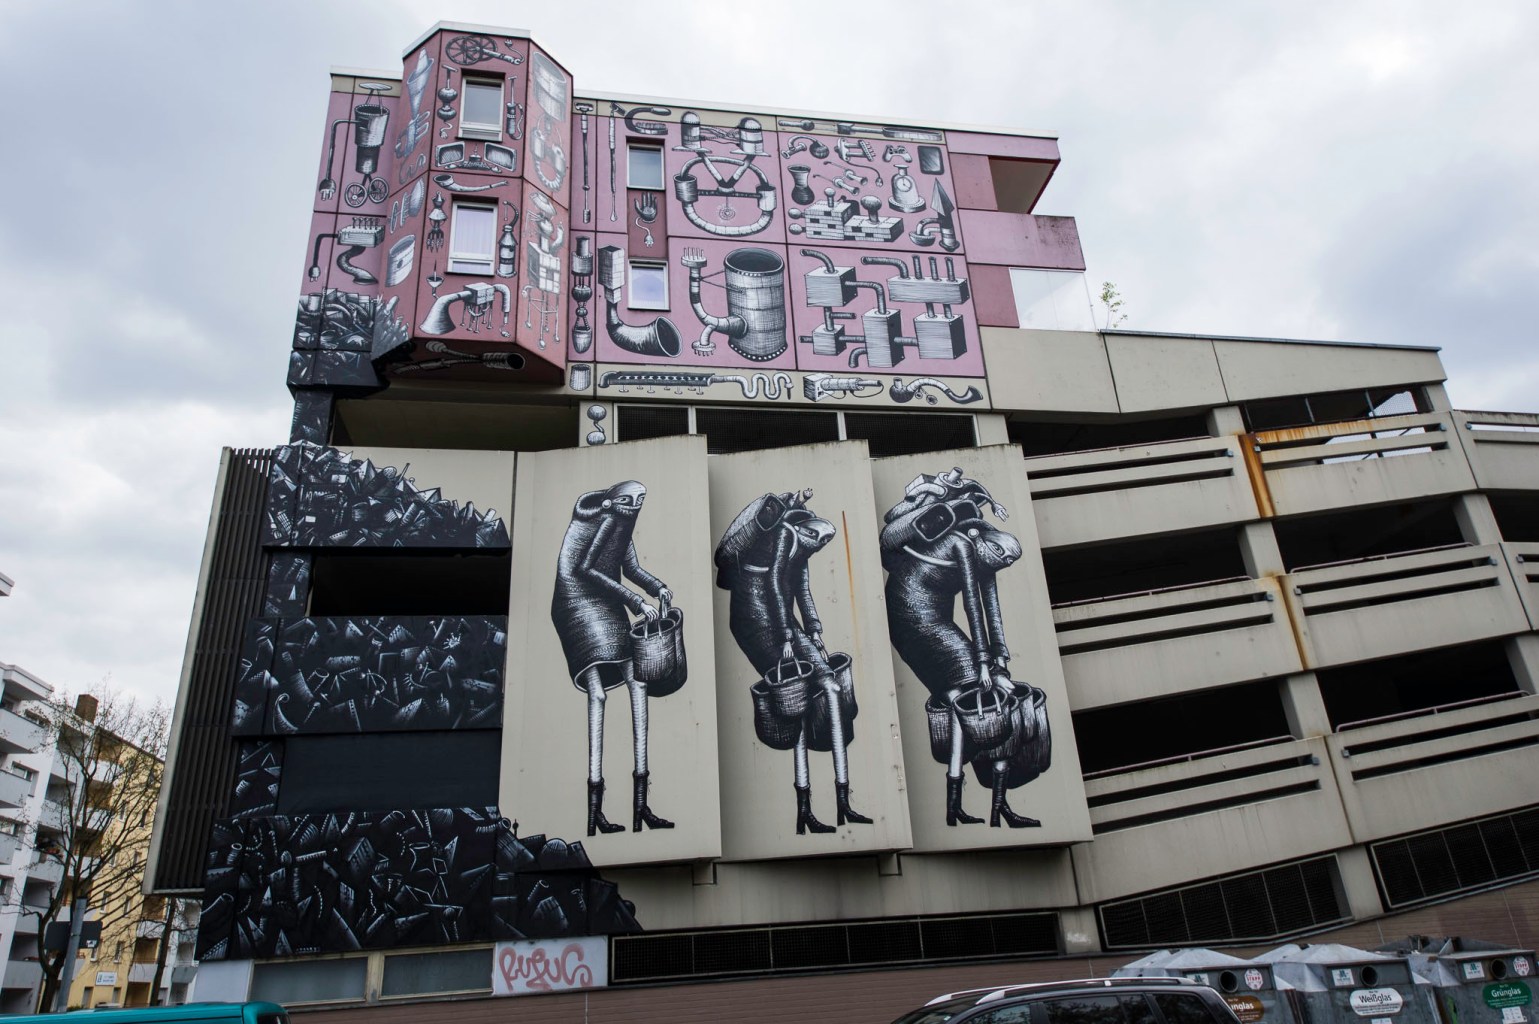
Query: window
481,108
644,166
21,771
9,827
473,238
649,286
1180,1008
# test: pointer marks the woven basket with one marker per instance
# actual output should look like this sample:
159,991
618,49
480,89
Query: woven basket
985,717
788,682
773,729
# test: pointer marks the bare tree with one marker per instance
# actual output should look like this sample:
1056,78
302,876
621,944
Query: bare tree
110,754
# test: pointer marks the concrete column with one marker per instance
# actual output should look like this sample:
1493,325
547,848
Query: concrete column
1226,421
1258,546
1523,655
1437,398
1080,934
1357,880
1476,520
990,427
1304,706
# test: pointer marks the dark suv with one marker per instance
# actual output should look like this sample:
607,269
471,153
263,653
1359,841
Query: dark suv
1097,1001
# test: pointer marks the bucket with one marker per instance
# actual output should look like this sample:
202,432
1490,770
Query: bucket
820,734
985,717
773,729
788,682
755,283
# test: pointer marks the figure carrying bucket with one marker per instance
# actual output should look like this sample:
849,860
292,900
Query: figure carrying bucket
937,546
805,696
603,649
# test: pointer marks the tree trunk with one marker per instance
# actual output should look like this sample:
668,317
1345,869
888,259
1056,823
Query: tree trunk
161,951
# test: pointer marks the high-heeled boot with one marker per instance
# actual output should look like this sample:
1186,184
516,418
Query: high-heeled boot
1001,809
596,821
846,814
805,822
641,813
954,813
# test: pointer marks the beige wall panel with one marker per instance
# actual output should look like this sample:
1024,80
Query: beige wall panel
1164,373
546,728
759,800
1048,371
483,478
849,888
920,583
1260,369
1316,488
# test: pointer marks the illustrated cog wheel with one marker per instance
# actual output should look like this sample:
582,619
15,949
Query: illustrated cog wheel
465,50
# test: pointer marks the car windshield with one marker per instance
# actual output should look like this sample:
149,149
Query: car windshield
939,1013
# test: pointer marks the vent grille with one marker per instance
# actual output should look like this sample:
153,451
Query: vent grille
205,752
910,433
644,422
747,430
745,952
1460,858
1254,906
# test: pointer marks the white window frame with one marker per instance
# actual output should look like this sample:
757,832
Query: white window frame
630,169
633,299
492,131
465,261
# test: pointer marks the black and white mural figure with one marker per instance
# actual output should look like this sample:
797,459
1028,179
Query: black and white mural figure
936,547
804,697
592,609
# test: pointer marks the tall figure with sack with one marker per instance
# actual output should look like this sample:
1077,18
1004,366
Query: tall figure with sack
936,547
804,697
603,649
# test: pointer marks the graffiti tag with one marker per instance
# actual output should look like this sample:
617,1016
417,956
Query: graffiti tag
550,966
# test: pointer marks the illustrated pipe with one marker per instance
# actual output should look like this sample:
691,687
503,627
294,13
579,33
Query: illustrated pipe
659,338
438,320
755,324
447,181
344,261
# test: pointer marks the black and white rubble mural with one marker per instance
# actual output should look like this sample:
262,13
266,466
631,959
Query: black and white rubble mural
319,497
370,674
591,609
334,883
937,546
804,697
258,770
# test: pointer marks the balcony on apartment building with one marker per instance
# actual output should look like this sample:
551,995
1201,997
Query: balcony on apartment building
1193,785
16,785
1431,737
1150,617
10,843
20,734
1503,448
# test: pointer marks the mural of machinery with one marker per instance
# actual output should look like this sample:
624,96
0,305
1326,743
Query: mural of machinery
726,174
755,324
547,132
369,121
332,883
937,335
541,296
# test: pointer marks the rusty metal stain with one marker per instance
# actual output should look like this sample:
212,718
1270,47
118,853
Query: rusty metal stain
849,572
1257,473
1295,626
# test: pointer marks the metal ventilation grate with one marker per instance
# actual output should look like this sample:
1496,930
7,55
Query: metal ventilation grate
644,422
744,952
747,430
910,433
1254,906
1460,858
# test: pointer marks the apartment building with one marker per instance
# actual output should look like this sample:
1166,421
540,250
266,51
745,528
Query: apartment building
717,559
28,827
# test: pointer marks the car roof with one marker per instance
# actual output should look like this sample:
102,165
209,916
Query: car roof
990,993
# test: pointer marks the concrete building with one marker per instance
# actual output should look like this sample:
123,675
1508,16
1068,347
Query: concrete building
28,876
615,615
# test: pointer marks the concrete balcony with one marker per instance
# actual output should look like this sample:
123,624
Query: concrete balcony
15,791
1362,462
149,929
1209,814
19,735
22,974
1414,771
1523,561
47,870
141,974
1139,646
1396,604
10,846
1136,491
23,685
1503,448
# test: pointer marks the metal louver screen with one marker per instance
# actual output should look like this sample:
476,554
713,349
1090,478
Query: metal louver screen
1460,858
747,430
644,422
204,771
803,948
1257,905
910,433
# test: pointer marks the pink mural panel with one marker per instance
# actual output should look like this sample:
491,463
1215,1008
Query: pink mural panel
326,193
1023,240
414,129
548,149
541,276
584,298
500,147
722,182
884,313
868,192
588,131
346,251
1016,147
993,295
974,181
466,304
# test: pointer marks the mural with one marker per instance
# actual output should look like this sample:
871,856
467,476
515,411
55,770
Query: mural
319,497
603,649
937,546
369,121
805,696
370,674
258,768
332,883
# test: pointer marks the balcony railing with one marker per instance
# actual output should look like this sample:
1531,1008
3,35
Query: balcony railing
1523,560
15,790
1136,646
1361,462
1462,760
19,734
1394,604
1503,448
1138,490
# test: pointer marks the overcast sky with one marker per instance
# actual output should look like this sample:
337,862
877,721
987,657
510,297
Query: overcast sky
1354,171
